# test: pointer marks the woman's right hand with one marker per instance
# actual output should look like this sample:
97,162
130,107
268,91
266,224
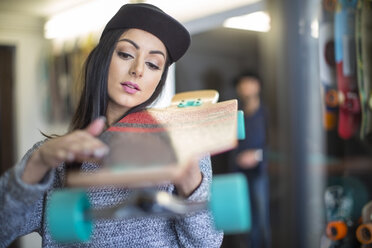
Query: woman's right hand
79,146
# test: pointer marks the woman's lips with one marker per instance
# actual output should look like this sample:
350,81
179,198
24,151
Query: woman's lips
130,88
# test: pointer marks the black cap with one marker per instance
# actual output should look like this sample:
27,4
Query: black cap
149,18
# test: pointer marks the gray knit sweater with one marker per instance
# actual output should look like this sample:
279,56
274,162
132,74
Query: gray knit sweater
22,209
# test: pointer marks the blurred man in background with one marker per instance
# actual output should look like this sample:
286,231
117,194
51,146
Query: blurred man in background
249,157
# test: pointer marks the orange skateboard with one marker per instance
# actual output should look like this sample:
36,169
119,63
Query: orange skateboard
154,147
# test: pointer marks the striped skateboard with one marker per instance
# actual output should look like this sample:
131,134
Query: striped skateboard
154,147
345,55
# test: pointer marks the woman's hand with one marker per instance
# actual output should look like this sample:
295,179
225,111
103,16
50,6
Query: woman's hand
249,159
79,146
189,180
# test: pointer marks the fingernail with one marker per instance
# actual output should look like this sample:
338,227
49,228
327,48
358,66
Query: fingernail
100,152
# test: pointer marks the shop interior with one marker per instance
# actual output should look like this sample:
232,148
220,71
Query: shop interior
319,133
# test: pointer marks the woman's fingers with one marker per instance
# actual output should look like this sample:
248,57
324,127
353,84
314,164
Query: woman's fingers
87,147
97,126
80,145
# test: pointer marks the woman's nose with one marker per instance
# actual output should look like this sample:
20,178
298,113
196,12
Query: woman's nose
136,69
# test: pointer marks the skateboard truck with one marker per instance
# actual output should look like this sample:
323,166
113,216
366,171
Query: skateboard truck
190,103
145,203
70,215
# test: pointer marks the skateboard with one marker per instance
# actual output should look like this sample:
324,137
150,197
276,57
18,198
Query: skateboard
364,231
153,147
345,56
327,64
344,199
364,65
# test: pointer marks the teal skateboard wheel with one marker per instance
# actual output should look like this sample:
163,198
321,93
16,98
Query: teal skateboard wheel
229,203
241,126
66,216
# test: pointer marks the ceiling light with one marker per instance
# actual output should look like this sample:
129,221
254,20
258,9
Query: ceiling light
257,21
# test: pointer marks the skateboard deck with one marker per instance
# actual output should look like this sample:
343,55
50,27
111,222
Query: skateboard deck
364,50
155,146
344,200
327,64
345,56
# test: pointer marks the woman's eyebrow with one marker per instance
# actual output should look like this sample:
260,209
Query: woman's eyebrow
138,47
157,52
131,42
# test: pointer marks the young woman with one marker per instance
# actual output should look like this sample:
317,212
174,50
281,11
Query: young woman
124,73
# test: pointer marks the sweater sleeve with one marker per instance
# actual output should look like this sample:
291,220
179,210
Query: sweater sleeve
21,204
197,229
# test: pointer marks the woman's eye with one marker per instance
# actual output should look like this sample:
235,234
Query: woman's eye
124,55
152,66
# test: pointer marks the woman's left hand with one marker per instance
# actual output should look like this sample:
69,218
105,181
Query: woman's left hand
189,180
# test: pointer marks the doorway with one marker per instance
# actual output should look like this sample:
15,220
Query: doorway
7,124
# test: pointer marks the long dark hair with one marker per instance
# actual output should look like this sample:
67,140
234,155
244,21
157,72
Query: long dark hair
94,97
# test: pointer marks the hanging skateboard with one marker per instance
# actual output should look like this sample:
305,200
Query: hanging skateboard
327,64
364,66
344,199
345,56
